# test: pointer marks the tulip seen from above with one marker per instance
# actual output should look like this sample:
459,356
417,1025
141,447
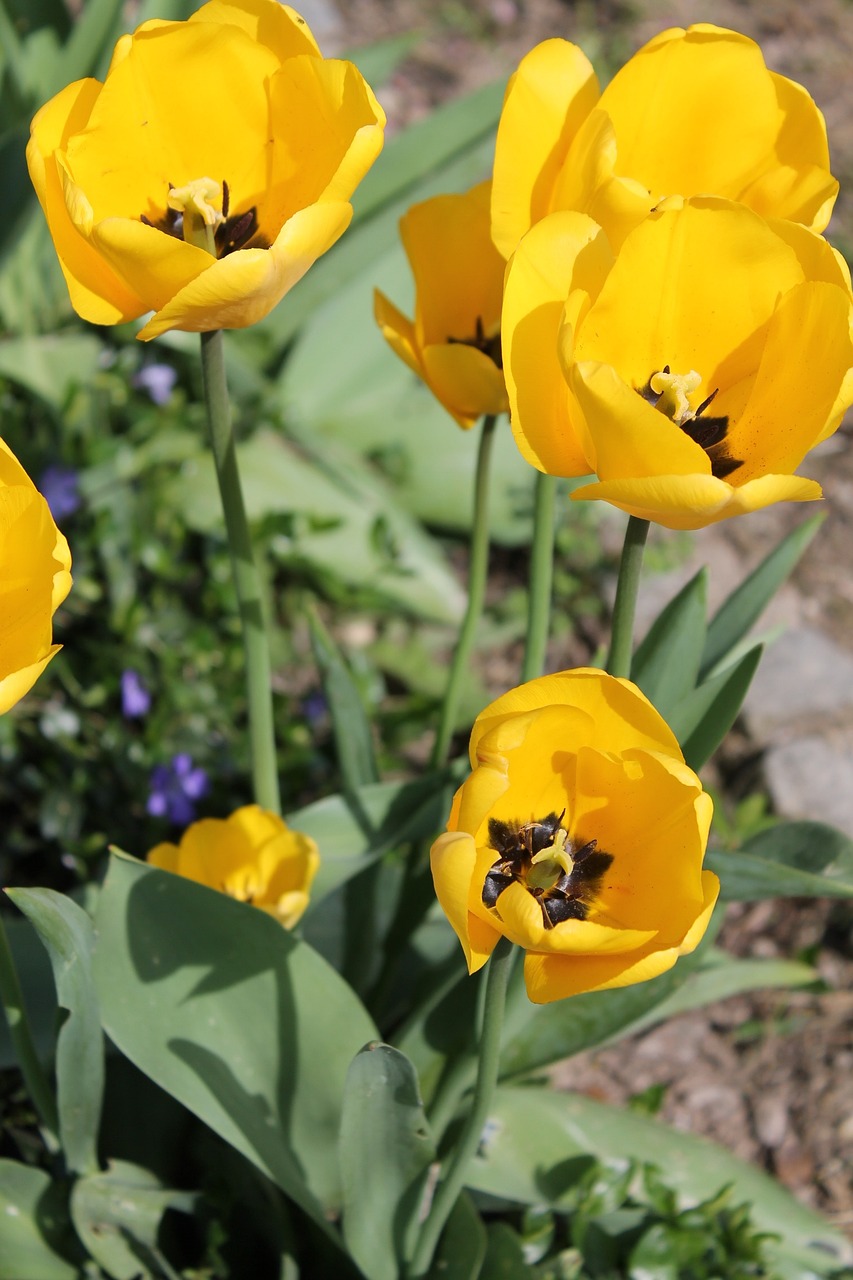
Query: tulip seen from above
691,370
579,836
227,135
693,112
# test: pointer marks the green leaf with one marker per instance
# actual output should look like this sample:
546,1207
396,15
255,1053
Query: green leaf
538,1035
722,976
69,937
462,1246
343,521
34,1221
537,1142
504,1255
50,365
396,811
377,62
246,1026
350,725
704,717
117,1216
38,989
747,602
385,1152
790,860
666,663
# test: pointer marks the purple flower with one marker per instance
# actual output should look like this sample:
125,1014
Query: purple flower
158,380
60,489
135,698
174,788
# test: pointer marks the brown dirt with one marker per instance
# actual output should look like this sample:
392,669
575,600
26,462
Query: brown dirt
767,1075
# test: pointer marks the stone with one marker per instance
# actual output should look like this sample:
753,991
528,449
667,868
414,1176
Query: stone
812,777
804,685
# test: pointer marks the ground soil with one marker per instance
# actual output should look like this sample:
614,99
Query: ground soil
768,1075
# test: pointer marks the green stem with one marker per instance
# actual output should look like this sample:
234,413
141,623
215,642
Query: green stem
541,577
453,1180
19,1029
621,643
246,578
477,574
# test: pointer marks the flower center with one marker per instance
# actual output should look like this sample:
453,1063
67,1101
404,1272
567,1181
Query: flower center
490,345
563,877
199,214
670,393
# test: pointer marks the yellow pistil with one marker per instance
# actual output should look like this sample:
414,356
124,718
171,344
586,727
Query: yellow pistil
547,866
673,390
201,215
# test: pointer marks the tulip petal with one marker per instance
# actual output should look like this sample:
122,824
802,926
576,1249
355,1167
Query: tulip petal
166,77
624,435
97,293
277,27
465,378
792,400
243,287
564,252
17,683
452,858
553,977
521,921
691,502
546,101
154,265
621,715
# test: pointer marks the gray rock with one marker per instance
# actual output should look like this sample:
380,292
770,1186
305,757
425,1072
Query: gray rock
804,685
812,777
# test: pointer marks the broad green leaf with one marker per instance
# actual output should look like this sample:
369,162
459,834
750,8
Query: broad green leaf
747,602
462,1246
791,860
38,989
117,1216
666,664
537,1143
377,62
350,725
343,521
91,42
704,717
246,1026
385,1151
69,937
397,812
505,1255
34,1225
50,365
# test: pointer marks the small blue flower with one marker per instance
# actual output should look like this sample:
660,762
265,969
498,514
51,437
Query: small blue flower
174,789
59,487
158,380
135,698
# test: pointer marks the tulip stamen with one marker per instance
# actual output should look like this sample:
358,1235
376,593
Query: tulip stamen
192,215
564,878
490,345
669,393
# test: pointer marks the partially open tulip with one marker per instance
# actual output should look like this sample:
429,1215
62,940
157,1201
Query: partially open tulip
579,836
454,343
207,173
693,112
252,856
35,577
692,370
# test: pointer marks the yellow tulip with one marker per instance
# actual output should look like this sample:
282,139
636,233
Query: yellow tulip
252,856
35,577
207,173
579,836
454,342
694,112
692,370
